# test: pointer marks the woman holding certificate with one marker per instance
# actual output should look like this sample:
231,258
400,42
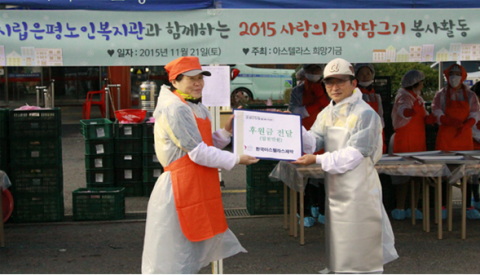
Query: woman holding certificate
186,227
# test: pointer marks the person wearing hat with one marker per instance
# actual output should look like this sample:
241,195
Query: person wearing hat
365,73
359,237
457,111
409,117
186,227
308,99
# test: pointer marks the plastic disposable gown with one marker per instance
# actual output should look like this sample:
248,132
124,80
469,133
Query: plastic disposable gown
476,133
363,124
403,100
354,196
296,102
166,249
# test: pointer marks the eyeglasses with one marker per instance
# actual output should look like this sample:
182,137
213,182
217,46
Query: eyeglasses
332,81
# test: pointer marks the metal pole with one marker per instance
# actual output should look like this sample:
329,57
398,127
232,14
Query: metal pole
118,93
6,86
52,86
45,93
37,89
107,102
118,97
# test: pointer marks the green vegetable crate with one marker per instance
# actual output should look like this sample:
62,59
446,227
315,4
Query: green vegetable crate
91,204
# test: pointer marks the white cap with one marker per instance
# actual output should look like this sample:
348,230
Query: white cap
411,78
338,67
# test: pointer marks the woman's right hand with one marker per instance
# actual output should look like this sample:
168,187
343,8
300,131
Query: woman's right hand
247,160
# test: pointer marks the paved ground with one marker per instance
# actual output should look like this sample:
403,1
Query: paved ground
116,247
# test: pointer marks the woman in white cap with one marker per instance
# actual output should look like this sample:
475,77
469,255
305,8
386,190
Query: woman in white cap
186,227
409,117
358,234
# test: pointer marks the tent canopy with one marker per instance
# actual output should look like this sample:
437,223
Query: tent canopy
170,5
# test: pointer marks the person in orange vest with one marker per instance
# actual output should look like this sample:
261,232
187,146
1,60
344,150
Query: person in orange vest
308,99
186,228
409,118
365,73
457,110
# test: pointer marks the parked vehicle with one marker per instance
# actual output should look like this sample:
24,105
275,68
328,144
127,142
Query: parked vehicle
251,83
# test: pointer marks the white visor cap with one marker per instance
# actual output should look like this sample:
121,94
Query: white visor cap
338,67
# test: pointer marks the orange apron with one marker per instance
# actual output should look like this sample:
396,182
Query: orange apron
372,98
476,145
411,137
313,92
196,190
446,139
374,104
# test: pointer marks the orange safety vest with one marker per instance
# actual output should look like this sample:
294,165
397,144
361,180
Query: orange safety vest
411,137
196,190
446,139
372,98
313,92
373,102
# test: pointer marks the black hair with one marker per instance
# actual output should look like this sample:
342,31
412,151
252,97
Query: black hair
413,86
351,78
178,78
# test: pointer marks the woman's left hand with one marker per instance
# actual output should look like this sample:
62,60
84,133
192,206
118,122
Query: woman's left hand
306,159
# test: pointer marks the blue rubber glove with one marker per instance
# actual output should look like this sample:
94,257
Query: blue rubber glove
418,214
314,211
398,214
473,213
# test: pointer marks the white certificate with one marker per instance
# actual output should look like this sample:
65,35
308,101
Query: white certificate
267,135
216,91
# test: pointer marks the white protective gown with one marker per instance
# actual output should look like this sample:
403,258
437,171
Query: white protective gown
404,100
359,236
166,249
